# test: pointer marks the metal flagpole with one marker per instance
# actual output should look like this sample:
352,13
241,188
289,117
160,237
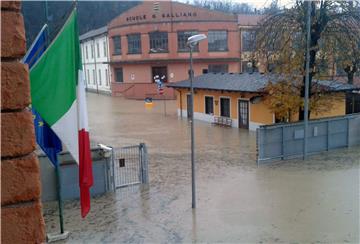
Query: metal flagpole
306,98
57,167
59,196
47,19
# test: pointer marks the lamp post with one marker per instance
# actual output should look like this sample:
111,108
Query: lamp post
191,42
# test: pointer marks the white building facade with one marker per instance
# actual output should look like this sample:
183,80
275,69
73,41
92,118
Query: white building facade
95,60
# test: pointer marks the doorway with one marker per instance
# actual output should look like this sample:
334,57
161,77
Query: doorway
243,114
161,72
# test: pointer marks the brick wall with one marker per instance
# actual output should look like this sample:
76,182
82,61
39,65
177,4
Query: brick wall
21,214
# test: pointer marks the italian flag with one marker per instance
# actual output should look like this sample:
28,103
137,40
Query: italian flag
58,94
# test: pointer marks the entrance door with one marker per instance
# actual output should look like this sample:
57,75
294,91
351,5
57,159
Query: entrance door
243,114
188,105
161,72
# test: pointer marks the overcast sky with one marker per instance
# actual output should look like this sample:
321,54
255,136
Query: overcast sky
263,3
257,3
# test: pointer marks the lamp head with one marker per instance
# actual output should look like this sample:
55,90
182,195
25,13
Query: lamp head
195,39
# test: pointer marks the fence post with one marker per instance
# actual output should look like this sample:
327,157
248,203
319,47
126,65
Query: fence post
257,146
282,143
348,132
144,164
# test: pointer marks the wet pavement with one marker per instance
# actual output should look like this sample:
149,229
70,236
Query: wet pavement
286,202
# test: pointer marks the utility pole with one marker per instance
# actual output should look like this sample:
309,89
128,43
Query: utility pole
306,98
192,42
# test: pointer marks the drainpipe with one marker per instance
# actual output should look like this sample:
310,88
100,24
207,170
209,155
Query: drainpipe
84,62
240,51
107,59
180,103
97,86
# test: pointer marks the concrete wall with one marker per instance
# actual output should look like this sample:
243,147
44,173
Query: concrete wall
285,141
70,176
21,211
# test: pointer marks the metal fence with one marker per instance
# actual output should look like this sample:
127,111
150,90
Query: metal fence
285,141
130,165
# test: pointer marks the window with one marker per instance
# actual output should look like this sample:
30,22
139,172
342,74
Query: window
225,107
158,42
218,68
134,43
94,82
105,50
99,77
117,45
209,105
248,40
92,51
250,69
340,70
217,41
98,50
106,77
88,77
119,75
83,53
352,103
182,37
87,57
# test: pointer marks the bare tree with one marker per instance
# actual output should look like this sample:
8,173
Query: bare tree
225,6
282,35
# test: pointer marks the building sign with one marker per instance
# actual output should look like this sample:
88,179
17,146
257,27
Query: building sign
161,16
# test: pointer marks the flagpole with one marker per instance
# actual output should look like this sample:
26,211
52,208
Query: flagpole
59,196
57,167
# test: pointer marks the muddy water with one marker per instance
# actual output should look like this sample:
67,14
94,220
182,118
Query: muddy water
291,202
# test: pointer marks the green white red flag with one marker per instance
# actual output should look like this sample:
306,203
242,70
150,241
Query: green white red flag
58,95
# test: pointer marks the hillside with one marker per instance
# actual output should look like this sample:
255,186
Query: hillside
91,15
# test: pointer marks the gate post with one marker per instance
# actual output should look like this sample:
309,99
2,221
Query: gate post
144,164
113,168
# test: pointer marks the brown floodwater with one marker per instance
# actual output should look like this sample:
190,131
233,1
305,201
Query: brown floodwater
294,201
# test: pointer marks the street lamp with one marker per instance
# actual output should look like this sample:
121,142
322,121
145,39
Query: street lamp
192,42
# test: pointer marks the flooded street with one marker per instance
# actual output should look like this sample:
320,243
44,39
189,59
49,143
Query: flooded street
286,202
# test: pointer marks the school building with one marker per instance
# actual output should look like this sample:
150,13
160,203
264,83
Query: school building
237,100
150,40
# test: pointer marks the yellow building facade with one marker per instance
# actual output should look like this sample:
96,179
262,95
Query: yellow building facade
243,109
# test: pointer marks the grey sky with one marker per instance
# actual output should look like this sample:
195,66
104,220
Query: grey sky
257,3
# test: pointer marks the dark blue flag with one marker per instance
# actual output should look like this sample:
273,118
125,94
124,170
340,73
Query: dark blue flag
45,137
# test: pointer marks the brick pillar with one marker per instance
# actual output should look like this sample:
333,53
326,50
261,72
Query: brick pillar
21,214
